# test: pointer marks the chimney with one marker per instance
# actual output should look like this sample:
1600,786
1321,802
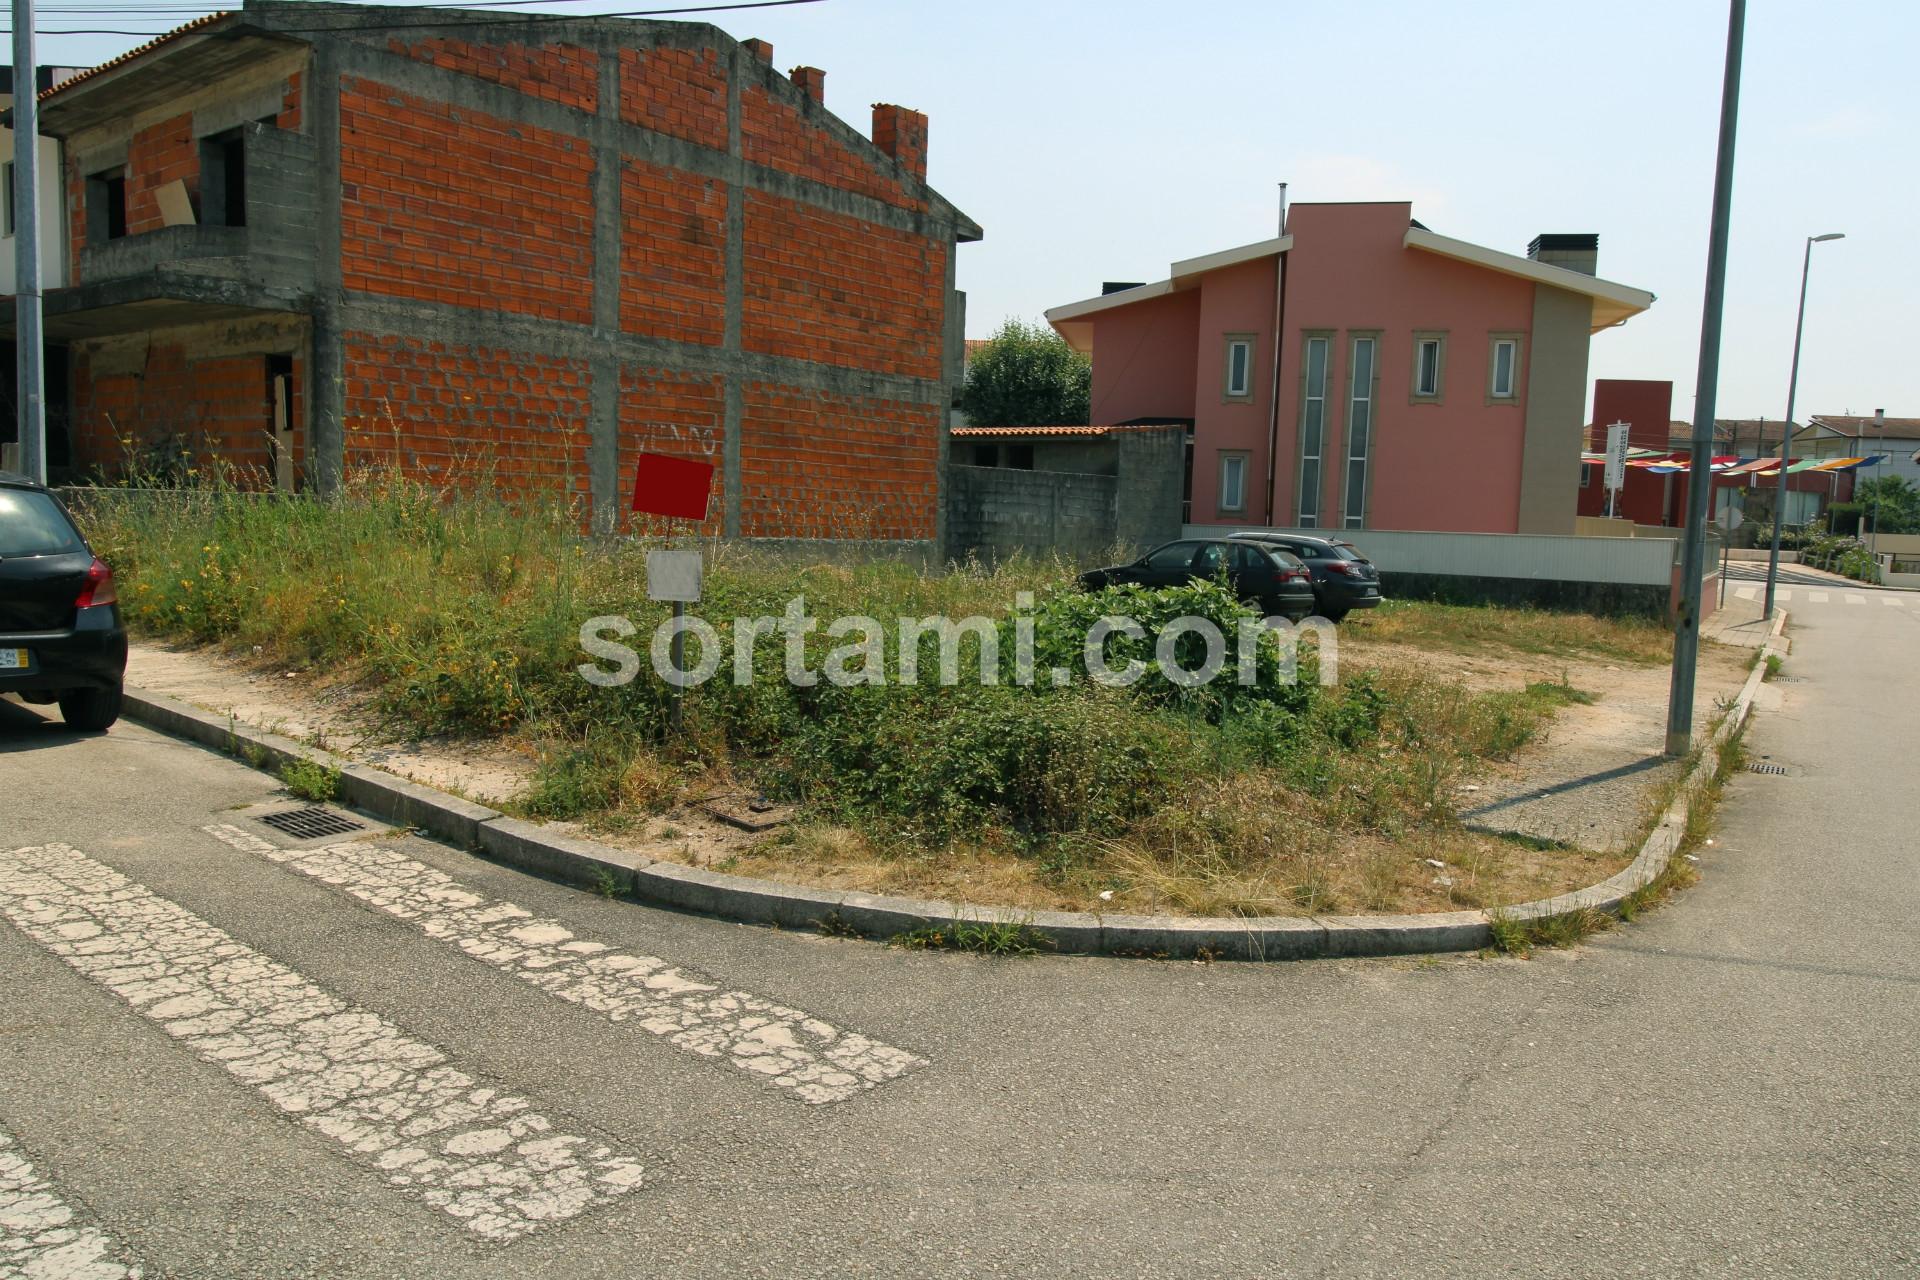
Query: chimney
759,49
1575,252
902,134
813,81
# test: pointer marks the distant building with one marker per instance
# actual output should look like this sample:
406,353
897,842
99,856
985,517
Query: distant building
1424,383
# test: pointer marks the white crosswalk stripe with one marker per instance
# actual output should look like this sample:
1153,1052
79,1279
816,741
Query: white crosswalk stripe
1894,601
41,1236
1747,593
1854,597
806,1057
393,1103
1817,597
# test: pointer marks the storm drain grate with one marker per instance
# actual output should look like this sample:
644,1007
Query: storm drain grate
313,822
1777,770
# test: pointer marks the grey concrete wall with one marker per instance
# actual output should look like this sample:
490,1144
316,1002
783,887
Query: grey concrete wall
1151,468
993,512
1556,411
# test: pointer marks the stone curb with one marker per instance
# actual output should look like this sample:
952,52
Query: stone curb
591,865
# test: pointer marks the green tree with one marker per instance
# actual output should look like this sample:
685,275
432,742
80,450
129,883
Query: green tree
1891,504
1027,376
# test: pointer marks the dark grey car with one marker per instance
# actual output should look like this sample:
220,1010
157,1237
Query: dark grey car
1343,579
60,634
1272,577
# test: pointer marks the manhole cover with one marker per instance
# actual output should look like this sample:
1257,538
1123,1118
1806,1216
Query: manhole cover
1778,770
312,823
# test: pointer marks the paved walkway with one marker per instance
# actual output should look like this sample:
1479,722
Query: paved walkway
228,1053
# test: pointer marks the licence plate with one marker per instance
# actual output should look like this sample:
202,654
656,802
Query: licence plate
1373,591
15,659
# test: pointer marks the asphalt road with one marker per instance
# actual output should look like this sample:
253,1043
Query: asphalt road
226,1053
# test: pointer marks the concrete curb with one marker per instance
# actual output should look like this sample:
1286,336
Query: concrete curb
591,865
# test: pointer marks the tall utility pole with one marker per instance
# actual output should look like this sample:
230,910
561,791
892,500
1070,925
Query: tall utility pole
29,363
1686,631
1786,431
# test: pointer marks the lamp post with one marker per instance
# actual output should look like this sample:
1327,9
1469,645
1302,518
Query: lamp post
1786,429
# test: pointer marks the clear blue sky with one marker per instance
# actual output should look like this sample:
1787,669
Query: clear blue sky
1101,140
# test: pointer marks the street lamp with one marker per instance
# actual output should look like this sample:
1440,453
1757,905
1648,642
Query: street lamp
1786,431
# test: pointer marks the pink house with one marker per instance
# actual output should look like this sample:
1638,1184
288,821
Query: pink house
1426,383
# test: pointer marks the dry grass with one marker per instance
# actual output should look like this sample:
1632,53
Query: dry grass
1539,632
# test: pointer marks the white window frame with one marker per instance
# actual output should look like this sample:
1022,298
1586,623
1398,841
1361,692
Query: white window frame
1228,459
1313,409
1244,391
1360,404
1513,369
1420,348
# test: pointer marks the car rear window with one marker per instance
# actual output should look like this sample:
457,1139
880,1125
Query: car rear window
1347,551
32,524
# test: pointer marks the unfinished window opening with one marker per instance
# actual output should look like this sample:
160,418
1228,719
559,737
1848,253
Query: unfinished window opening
223,179
986,455
107,205
1020,457
280,419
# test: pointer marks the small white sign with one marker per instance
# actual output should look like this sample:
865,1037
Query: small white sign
1617,455
673,575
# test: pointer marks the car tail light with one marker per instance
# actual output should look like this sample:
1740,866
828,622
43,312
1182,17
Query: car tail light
1346,567
98,588
1293,575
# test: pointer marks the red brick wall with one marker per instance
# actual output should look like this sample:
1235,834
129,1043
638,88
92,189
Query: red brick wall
458,207
217,406
157,155
563,73
461,414
672,413
818,465
679,92
673,254
776,134
823,286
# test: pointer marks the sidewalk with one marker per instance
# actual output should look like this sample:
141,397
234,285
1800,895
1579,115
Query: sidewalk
1738,623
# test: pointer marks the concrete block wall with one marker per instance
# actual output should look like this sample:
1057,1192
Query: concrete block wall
993,512
1150,468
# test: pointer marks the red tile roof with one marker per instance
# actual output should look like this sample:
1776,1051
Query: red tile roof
205,20
1063,431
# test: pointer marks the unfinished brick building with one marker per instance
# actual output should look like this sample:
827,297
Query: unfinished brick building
307,237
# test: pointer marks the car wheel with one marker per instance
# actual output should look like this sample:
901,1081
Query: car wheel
90,710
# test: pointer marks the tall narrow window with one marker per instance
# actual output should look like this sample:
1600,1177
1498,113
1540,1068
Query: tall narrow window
1359,432
1426,368
223,179
1506,361
6,176
107,205
1233,482
1239,382
1313,428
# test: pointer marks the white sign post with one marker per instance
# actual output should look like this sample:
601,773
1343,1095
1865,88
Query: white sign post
674,576
1616,465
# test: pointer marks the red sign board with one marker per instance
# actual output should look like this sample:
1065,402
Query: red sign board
678,488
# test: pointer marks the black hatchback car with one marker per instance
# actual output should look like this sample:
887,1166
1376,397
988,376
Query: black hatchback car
1269,576
1343,579
60,634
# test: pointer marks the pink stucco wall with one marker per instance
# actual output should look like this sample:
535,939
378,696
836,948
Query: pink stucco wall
1143,360
1454,465
1234,301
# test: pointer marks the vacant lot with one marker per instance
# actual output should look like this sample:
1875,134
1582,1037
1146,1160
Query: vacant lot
441,637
